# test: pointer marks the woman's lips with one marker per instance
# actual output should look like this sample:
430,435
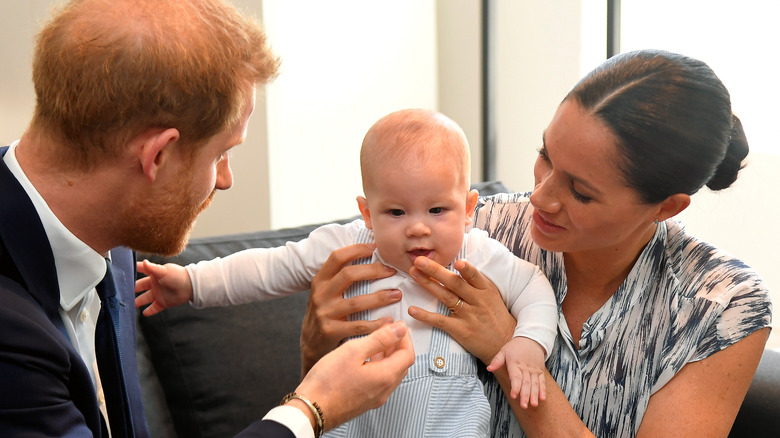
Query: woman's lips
545,225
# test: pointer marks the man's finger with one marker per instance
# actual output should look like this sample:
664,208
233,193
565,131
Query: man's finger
385,338
359,328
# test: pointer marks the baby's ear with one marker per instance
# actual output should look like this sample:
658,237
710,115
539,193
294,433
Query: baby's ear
363,206
471,204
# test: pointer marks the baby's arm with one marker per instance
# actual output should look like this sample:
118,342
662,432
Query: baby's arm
524,355
531,300
164,286
524,360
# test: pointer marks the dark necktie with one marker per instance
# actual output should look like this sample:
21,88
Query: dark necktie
109,360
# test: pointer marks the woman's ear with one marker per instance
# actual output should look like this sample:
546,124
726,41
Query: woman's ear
672,206
363,206
154,150
471,204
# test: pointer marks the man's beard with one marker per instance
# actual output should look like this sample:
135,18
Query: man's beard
163,226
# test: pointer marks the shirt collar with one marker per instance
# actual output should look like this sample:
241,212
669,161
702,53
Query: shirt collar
79,267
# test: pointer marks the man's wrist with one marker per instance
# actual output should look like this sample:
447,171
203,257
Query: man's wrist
292,418
310,408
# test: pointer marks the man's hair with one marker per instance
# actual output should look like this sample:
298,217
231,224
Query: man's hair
107,70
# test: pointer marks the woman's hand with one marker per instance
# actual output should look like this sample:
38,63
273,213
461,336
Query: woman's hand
326,322
480,321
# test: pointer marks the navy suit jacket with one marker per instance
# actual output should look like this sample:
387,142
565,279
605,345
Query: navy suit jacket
45,388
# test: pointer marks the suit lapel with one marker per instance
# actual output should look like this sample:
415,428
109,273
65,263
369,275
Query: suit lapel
25,243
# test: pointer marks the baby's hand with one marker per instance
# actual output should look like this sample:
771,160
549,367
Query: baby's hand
524,360
164,286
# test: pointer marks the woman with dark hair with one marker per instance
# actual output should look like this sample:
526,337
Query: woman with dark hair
659,332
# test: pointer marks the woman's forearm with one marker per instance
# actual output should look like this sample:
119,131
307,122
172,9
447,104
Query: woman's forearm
554,417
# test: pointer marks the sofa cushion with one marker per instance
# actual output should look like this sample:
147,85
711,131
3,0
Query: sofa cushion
220,369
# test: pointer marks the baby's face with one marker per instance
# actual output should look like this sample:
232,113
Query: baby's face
418,212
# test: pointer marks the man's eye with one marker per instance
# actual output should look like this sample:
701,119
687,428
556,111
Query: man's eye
436,210
396,212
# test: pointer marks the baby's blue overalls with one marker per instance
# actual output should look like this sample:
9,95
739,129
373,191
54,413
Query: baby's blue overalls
441,395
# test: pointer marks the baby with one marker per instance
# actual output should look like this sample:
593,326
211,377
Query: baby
415,167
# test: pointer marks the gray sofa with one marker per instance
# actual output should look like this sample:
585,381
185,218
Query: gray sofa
211,372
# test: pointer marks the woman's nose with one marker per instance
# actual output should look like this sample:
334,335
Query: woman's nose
545,195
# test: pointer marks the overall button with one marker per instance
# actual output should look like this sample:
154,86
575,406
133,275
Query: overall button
439,362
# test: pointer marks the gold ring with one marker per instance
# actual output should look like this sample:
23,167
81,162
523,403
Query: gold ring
458,306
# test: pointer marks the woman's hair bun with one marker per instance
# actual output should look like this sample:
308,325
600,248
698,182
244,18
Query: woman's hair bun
726,172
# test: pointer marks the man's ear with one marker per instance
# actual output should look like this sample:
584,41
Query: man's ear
363,206
672,206
471,204
154,150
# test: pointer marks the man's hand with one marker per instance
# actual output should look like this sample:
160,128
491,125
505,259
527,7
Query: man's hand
359,375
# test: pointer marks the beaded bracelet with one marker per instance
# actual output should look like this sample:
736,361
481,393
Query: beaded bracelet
319,417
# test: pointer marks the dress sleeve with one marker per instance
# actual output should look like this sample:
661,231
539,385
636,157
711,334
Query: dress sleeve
747,310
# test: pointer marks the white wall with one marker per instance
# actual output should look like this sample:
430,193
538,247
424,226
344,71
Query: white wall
539,58
345,64
18,25
459,52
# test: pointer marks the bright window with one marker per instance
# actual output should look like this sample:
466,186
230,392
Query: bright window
740,40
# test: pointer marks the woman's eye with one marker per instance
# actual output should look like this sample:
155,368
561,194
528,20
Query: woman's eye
543,154
579,196
436,210
396,212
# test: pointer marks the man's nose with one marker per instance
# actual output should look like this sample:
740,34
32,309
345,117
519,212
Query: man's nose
224,174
